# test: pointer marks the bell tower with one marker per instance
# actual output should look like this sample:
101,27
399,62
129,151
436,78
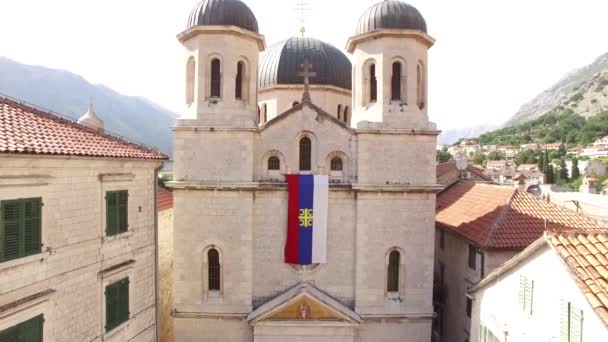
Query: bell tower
390,64
222,45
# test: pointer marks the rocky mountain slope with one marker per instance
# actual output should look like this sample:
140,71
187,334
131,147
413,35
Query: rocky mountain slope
583,91
450,136
135,118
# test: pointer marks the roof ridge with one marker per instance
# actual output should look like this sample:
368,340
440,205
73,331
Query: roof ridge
51,115
500,220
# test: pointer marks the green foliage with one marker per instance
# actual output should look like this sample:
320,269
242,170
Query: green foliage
479,159
576,172
495,155
443,156
565,127
563,171
527,157
553,155
550,175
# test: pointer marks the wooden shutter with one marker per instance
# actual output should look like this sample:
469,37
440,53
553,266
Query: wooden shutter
123,300
123,211
10,232
112,318
564,323
10,335
576,324
32,226
32,330
111,213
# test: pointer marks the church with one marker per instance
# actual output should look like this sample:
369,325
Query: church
259,118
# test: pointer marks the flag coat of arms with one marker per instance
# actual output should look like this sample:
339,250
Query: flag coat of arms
307,219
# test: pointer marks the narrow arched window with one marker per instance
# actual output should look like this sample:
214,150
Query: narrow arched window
305,154
346,114
259,115
396,82
373,84
339,112
214,269
421,86
190,72
393,272
216,78
336,164
240,69
295,103
274,164
265,112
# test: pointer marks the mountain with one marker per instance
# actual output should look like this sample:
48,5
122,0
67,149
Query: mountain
451,136
135,118
583,91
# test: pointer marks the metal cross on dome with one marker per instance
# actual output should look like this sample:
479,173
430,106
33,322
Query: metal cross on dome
307,74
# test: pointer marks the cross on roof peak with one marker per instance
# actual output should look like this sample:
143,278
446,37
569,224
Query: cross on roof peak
307,73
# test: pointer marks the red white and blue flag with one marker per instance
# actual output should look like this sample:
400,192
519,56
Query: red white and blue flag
307,220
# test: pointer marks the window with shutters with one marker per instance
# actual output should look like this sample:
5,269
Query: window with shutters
216,78
117,210
28,331
117,304
571,323
526,294
393,272
20,228
472,257
214,270
305,154
274,164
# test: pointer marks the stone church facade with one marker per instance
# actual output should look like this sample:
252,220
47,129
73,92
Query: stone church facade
248,122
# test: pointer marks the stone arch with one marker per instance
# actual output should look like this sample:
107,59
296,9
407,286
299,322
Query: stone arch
210,295
370,82
401,286
398,80
243,68
274,174
313,151
337,175
210,91
421,80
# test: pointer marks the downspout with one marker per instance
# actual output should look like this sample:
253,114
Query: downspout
156,257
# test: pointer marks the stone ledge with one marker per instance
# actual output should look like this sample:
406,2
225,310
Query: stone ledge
117,177
281,186
25,303
236,316
24,180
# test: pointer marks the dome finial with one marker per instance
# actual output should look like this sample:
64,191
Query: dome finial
91,119
302,8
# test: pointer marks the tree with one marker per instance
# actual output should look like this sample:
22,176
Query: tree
496,156
562,150
541,162
553,155
576,172
563,171
443,156
479,158
526,157
549,176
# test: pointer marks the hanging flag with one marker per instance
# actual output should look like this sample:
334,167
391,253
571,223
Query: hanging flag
307,219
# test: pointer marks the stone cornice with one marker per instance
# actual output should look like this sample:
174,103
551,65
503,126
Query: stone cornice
282,186
24,180
213,129
222,29
391,33
313,87
397,131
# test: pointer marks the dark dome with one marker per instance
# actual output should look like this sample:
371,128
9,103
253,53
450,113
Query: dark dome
223,12
281,63
391,14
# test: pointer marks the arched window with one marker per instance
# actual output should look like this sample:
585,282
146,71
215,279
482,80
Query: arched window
421,86
373,84
396,82
295,103
393,272
339,112
305,154
259,115
346,114
216,78
240,69
265,110
214,269
190,72
274,164
336,164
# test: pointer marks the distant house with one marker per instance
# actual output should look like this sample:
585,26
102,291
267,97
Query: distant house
448,173
554,146
530,147
496,165
528,167
478,228
589,185
554,290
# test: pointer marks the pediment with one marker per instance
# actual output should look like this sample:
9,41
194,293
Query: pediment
303,303
311,111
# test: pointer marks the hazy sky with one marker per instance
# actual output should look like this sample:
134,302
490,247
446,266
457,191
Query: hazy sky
491,56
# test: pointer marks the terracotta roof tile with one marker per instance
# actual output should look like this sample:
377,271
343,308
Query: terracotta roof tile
495,216
27,130
585,256
164,198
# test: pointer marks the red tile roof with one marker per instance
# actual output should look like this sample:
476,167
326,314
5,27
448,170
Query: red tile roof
28,130
449,167
586,256
496,216
164,198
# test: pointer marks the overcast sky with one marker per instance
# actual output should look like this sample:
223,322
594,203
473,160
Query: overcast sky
491,56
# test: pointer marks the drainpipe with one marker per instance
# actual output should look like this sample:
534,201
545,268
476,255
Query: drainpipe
156,257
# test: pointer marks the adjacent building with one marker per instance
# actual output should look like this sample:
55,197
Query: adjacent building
480,227
77,230
554,290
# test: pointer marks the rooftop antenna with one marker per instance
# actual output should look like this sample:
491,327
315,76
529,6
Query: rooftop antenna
302,8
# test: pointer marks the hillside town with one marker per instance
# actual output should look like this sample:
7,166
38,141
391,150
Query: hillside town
304,197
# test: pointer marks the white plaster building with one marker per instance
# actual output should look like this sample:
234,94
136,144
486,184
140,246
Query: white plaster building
77,231
240,135
552,291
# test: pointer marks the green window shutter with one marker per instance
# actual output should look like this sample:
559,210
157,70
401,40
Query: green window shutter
10,232
123,211
576,324
564,322
112,318
10,335
32,330
111,213
32,222
124,300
